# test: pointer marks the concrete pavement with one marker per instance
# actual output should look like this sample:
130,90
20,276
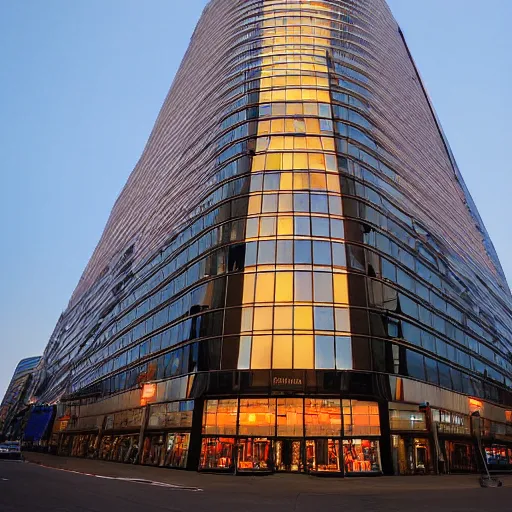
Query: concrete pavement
33,487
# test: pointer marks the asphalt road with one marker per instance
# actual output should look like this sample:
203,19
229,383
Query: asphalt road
26,487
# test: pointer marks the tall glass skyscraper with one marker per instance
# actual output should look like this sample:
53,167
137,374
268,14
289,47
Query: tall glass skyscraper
295,277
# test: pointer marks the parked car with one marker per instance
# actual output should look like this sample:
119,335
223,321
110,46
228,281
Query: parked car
11,450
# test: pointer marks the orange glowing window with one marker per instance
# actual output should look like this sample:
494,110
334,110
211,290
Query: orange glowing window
148,391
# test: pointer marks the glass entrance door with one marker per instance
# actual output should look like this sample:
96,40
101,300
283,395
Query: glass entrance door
289,455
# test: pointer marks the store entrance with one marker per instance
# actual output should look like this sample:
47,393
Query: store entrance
288,455
412,456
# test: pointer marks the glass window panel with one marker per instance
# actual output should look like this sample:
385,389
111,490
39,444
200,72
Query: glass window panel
320,226
290,417
344,353
335,205
247,314
251,249
271,181
248,294
284,287
301,202
301,181
283,318
340,288
244,355
273,161
303,287
388,270
286,183
432,372
316,161
257,417
324,318
318,181
252,229
286,202
268,226
269,204
321,253
319,203
303,353
302,226
324,352
300,161
445,379
261,352
219,417
415,365
303,252
282,354
285,226
361,418
339,255
263,319
323,287
265,287
285,252
337,228
257,179
342,316
267,253
322,417
254,205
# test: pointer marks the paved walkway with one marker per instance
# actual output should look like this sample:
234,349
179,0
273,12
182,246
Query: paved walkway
268,484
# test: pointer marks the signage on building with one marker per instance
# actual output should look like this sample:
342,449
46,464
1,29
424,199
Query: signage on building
148,393
287,381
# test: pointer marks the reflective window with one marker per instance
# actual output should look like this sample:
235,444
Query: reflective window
290,417
344,353
219,417
257,417
322,417
324,352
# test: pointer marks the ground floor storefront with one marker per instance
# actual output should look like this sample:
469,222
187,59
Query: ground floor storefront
264,455
318,435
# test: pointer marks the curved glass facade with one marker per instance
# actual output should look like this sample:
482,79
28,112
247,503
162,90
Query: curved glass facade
297,226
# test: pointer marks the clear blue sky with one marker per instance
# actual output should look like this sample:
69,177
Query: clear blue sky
81,84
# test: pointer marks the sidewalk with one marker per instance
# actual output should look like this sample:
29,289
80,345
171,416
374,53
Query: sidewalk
278,483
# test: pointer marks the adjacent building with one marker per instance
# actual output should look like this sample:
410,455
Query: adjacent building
295,277
15,400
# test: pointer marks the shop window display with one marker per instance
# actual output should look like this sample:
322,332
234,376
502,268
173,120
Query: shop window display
323,455
123,448
461,457
217,453
153,450
496,455
105,448
254,454
66,446
176,455
82,445
361,456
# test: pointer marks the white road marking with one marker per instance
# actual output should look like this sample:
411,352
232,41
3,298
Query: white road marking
175,487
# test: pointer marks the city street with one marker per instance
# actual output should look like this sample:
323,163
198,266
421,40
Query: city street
27,487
